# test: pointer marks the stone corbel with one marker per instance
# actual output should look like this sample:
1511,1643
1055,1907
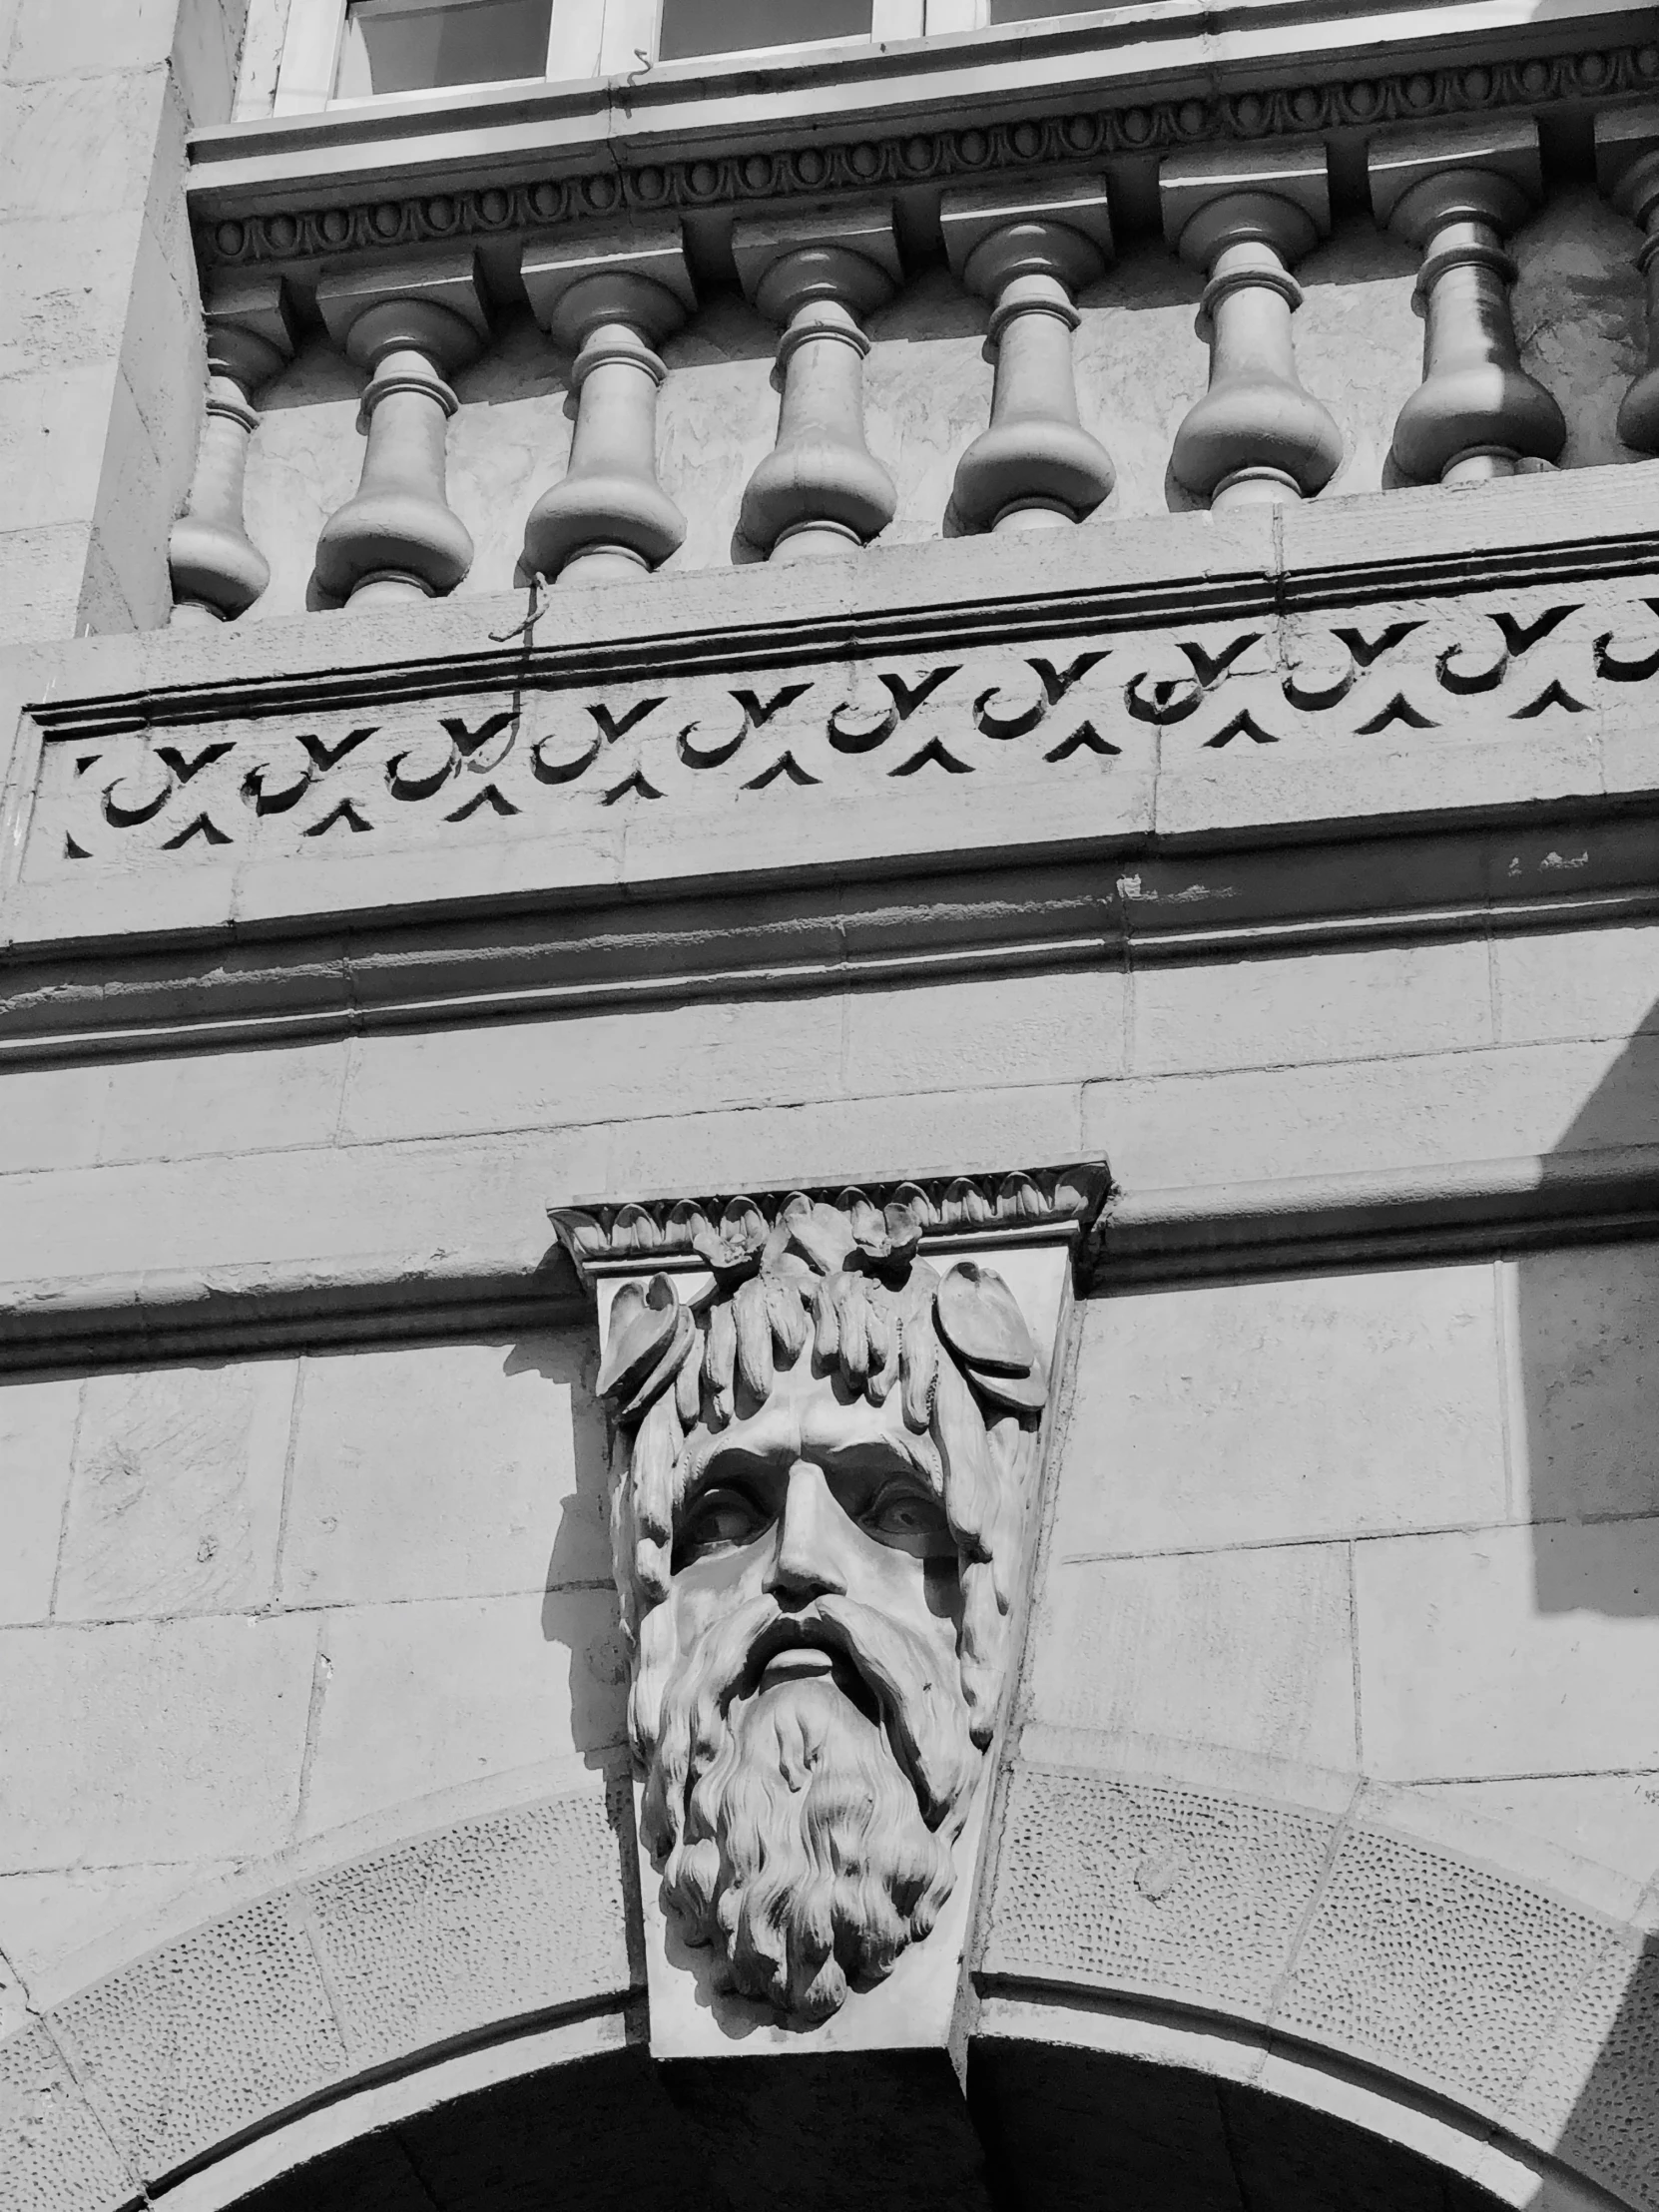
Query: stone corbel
1244,217
1455,191
1627,167
218,572
1029,253
411,325
820,489
610,299
876,1362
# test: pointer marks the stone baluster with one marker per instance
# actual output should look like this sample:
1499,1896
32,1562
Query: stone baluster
1455,194
1245,219
1029,253
218,571
610,299
1627,163
820,489
411,325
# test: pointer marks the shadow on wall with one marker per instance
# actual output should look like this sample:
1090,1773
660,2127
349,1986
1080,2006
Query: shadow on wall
1587,1345
578,1566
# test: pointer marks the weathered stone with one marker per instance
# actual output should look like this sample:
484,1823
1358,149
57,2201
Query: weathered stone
1190,1429
170,1740
447,1471
1251,1649
424,1696
37,1440
1509,1652
177,1494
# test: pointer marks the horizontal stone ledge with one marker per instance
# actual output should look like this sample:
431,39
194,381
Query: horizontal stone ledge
213,1312
937,109
1377,1216
1191,1234
220,986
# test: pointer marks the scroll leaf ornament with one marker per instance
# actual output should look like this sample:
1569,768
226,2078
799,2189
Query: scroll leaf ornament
643,1325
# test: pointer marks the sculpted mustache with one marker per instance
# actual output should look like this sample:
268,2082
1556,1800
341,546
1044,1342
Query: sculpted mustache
917,1699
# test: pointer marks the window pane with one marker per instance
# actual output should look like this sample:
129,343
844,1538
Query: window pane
734,25
1027,11
412,45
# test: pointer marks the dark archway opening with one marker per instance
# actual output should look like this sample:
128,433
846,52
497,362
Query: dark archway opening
1044,2128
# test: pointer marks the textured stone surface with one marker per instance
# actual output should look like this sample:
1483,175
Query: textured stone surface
1509,1652
1443,1971
424,1696
53,2151
1307,1007
1124,1885
1251,1649
447,1471
486,1921
1189,1430
177,1494
151,1740
37,1436
1611,1819
1586,1326
207,2036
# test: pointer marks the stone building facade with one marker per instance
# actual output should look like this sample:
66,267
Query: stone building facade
829,1105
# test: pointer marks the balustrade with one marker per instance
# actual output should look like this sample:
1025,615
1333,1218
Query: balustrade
1029,253
820,489
613,294
216,570
1245,219
1627,163
1455,194
610,299
411,325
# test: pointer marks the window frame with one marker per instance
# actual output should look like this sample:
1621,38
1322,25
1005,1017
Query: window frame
591,39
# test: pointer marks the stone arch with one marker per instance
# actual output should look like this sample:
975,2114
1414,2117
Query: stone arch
305,1998
1320,1945
1334,1931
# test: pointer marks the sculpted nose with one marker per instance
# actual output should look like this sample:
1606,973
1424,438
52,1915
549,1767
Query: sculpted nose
804,1562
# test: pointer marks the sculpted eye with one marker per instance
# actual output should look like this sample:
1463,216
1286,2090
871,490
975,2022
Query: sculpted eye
910,1520
722,1516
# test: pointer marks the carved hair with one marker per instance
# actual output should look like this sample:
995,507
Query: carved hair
850,1284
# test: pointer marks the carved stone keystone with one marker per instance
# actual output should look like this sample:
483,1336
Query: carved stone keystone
1029,253
610,298
1244,217
218,572
1627,165
830,1408
1456,192
820,489
411,325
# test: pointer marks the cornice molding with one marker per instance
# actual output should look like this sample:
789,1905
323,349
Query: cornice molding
244,221
609,1237
1125,1240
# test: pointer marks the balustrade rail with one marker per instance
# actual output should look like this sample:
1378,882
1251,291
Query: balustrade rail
1453,193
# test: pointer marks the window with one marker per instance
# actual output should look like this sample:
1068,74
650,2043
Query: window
693,27
414,45
354,50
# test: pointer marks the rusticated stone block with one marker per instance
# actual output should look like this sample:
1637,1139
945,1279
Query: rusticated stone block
53,2153
1135,1886
207,2036
1614,2127
1440,1969
494,1920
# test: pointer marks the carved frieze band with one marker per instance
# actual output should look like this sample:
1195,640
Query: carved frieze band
953,155
605,1239
367,776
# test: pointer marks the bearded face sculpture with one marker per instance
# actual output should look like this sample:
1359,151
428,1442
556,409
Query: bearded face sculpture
816,1544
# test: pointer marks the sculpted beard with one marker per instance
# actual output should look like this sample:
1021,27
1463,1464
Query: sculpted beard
806,1839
